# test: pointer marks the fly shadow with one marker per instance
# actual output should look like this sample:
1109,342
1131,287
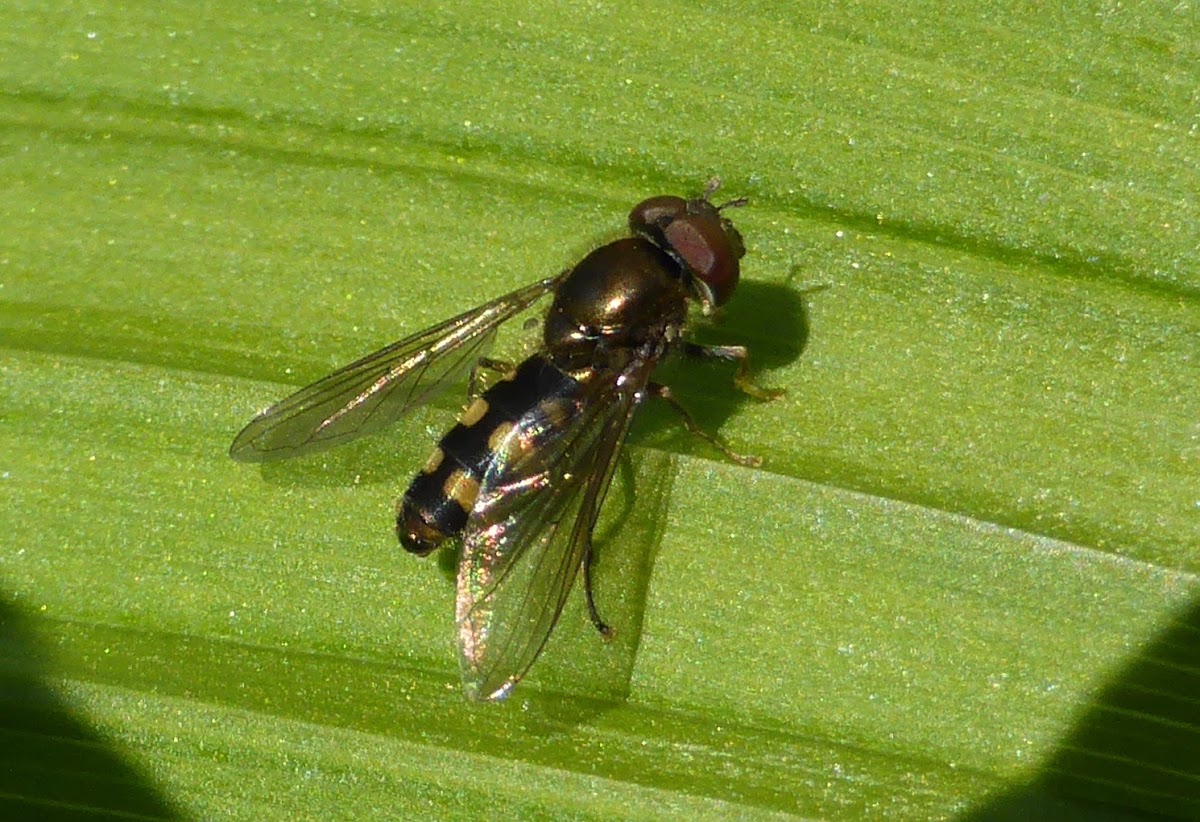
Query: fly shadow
771,321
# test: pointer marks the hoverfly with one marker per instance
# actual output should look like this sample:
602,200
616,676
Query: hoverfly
521,478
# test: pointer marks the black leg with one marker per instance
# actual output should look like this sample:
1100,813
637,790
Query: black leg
600,624
485,364
741,377
664,393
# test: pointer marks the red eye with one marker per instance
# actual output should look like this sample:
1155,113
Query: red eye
649,216
695,233
703,244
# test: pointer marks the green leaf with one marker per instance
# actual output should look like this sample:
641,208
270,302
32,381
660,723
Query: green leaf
963,585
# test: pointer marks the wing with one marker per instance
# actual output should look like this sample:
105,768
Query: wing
531,529
376,390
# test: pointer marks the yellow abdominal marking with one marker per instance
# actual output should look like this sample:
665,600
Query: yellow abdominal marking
474,412
462,489
499,435
435,459
556,411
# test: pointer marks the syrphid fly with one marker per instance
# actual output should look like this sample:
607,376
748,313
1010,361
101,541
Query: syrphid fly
521,478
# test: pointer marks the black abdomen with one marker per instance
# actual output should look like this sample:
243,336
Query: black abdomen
440,498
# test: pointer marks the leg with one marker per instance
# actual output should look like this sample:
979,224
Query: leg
600,624
485,364
664,393
741,377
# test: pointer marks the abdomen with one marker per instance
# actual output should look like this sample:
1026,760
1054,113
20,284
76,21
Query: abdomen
440,498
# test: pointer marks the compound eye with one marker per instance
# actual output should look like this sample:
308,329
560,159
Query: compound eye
705,247
649,216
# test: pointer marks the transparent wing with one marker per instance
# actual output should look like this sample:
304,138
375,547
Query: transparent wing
376,390
531,529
